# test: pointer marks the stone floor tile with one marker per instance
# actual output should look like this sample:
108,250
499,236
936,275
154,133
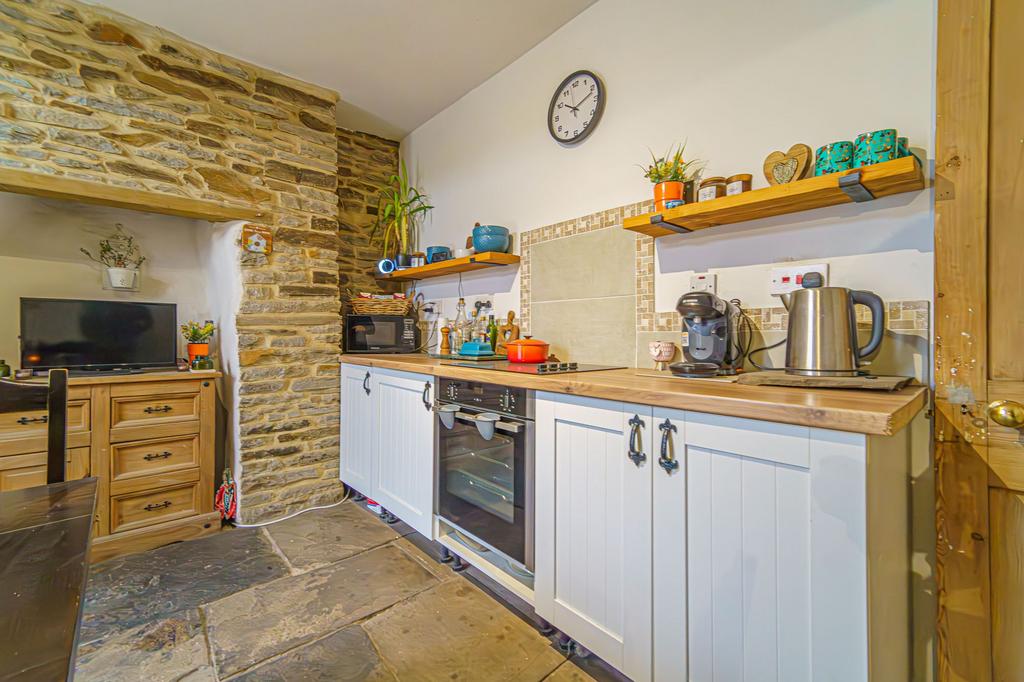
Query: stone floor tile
344,656
172,648
590,669
428,554
131,590
456,632
329,535
269,619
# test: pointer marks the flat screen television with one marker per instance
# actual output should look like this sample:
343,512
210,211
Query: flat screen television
97,335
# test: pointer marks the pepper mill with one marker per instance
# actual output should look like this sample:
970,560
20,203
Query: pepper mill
446,341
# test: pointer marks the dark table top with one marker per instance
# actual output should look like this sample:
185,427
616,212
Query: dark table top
44,559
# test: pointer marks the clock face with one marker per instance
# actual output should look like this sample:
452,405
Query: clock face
576,107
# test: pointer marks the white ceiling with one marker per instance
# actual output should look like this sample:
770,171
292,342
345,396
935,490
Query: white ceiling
395,63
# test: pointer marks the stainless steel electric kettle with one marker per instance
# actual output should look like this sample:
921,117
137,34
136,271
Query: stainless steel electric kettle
822,338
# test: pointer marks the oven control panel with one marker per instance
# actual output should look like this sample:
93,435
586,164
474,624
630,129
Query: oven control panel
492,397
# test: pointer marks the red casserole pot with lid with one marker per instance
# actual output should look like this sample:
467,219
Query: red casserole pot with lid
527,350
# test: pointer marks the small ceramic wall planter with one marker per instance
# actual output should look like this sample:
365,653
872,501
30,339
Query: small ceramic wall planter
123,278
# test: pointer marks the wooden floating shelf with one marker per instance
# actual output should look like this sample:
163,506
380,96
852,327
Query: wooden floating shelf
880,179
56,187
479,261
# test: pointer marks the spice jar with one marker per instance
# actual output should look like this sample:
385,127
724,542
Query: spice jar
711,188
737,184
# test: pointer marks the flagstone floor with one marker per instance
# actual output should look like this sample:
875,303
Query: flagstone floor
329,595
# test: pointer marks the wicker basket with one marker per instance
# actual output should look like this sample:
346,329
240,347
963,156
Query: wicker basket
377,306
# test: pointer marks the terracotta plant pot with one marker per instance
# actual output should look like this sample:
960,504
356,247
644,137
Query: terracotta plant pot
195,349
672,191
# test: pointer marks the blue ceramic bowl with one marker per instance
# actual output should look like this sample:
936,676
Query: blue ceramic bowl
490,238
490,242
436,254
490,229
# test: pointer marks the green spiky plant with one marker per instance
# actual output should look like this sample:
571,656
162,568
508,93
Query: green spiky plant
399,210
672,167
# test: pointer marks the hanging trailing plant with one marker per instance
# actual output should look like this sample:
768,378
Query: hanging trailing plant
119,250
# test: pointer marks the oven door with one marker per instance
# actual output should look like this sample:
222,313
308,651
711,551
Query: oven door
485,487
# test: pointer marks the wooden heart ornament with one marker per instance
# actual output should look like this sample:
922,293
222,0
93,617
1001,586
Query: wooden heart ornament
781,168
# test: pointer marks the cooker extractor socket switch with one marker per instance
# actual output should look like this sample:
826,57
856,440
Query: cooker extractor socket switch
791,277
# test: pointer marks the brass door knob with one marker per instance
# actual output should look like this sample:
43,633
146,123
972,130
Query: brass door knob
1007,413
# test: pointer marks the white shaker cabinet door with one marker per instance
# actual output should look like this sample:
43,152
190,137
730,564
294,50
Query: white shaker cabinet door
748,554
669,546
358,429
405,447
593,534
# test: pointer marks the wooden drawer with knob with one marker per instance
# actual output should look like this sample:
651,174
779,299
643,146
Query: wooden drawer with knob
154,405
155,456
148,507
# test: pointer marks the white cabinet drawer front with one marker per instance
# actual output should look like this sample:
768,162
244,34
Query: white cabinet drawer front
780,443
749,569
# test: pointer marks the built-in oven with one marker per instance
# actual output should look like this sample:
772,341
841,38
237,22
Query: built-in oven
486,485
381,334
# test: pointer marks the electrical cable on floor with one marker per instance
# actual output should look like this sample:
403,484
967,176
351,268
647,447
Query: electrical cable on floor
294,514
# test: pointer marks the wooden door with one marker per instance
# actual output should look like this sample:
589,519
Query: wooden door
593,529
979,366
405,447
358,429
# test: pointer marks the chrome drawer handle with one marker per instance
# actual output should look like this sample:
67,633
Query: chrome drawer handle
33,420
154,507
156,455
162,408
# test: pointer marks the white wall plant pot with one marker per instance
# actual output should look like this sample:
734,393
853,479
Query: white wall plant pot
122,278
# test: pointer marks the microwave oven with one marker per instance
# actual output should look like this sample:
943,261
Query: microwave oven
381,334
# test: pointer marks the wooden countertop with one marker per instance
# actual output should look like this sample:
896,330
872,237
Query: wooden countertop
869,412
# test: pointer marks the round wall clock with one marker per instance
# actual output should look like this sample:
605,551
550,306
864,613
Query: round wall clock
576,107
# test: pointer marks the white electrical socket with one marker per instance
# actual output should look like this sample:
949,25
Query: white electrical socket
704,281
789,278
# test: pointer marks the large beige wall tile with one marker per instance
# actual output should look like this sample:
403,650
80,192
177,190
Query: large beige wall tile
599,330
592,265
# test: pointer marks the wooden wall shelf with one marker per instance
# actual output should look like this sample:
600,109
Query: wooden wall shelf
55,187
880,179
479,261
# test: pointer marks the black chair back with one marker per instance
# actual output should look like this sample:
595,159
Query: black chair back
24,396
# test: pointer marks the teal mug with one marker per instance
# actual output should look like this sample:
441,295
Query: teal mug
833,157
875,147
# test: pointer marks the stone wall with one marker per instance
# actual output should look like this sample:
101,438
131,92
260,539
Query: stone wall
91,94
365,165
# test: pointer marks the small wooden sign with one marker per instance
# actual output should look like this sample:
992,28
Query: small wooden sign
257,239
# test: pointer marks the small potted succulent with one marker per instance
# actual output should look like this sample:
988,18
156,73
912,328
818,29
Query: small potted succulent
400,207
198,337
673,177
121,256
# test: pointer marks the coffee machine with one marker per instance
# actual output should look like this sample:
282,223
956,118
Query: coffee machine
710,336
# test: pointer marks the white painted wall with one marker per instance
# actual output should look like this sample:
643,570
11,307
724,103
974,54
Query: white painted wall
737,80
39,257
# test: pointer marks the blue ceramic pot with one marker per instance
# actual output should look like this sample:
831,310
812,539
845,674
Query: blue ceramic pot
834,157
490,238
